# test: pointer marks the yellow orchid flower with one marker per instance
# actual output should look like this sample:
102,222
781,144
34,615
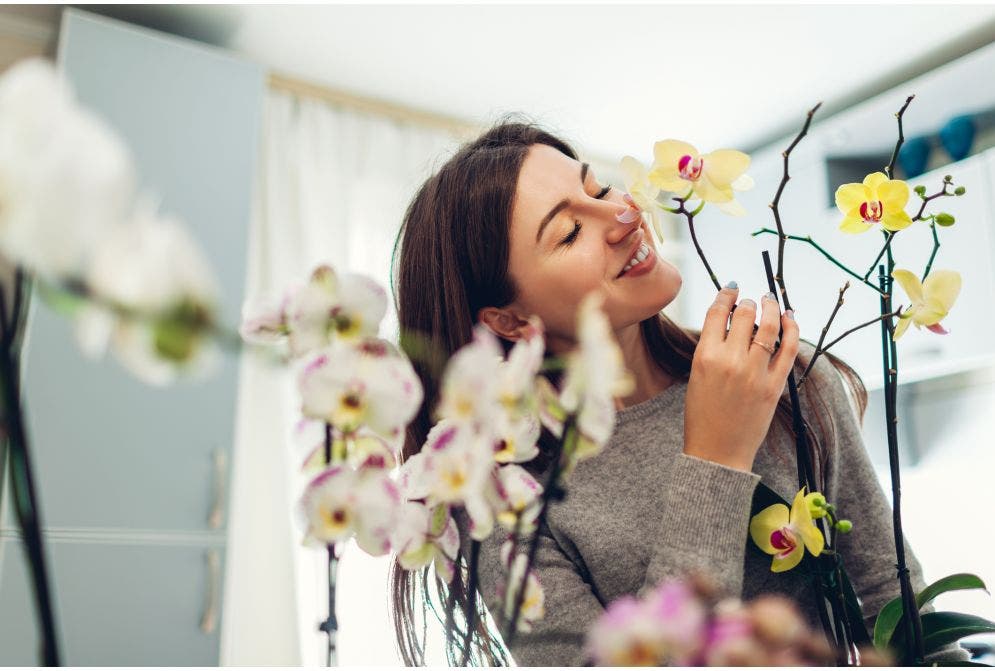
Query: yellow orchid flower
786,534
678,168
931,300
878,200
640,194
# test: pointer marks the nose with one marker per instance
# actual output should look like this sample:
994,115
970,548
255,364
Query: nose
622,233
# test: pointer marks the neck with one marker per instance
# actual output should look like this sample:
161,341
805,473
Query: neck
649,379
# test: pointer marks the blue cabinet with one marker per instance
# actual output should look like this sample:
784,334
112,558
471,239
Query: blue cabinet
133,479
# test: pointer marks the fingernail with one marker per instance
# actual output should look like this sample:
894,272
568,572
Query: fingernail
770,295
747,301
731,285
790,314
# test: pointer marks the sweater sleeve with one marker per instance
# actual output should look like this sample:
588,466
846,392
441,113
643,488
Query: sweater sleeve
704,524
869,549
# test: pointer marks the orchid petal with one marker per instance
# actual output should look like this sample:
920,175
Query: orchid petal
764,523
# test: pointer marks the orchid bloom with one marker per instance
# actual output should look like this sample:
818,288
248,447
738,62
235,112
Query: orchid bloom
667,627
154,269
641,195
786,534
517,491
931,300
67,178
328,308
369,384
533,603
595,374
425,536
341,502
517,374
469,387
516,441
712,177
878,200
361,450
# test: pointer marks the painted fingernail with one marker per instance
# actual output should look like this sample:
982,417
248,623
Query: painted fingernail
770,295
731,285
790,314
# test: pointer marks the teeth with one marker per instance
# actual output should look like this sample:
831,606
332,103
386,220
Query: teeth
639,257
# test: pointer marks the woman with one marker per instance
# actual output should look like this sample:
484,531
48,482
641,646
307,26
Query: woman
514,225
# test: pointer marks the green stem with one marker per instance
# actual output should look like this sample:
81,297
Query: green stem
808,239
936,248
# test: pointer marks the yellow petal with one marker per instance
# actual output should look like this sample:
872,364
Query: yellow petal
801,522
895,219
873,180
850,197
668,179
943,287
670,152
903,324
787,563
910,283
724,166
743,183
929,314
765,523
633,172
732,208
710,192
854,223
893,194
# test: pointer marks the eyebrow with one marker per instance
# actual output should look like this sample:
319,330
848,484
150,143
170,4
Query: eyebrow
560,205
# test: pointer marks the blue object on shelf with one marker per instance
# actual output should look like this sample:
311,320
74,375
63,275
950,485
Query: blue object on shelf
957,136
913,156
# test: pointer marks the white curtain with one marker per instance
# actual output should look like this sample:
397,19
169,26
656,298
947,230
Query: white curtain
332,187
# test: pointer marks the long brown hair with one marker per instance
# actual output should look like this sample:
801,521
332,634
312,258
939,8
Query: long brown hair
452,261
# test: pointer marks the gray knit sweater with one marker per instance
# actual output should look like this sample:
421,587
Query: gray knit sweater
642,510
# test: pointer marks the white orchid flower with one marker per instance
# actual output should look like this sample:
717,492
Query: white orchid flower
341,503
369,383
469,387
66,179
154,270
426,536
533,603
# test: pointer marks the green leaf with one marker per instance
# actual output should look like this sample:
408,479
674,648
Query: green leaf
884,626
949,584
939,629
891,614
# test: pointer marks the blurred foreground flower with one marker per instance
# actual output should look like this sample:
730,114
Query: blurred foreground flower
66,179
425,536
785,534
878,200
641,195
711,178
931,300
155,300
533,606
681,623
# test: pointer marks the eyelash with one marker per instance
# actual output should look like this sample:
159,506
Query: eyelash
573,234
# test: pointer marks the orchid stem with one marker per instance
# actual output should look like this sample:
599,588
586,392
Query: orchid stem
694,238
551,487
890,168
471,593
821,350
808,239
936,248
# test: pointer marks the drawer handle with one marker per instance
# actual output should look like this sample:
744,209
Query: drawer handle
209,621
217,515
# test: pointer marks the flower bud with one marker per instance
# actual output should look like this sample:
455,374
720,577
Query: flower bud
960,191
948,178
920,190
944,219
844,526
816,505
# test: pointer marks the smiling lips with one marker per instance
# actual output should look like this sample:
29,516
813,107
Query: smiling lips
642,252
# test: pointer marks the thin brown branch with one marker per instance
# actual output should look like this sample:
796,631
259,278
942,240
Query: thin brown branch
694,238
781,238
822,350
890,168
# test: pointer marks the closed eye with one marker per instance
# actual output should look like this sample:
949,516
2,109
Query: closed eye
576,230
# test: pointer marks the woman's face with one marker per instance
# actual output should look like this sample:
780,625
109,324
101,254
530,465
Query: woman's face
555,261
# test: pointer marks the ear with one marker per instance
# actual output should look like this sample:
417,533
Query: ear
504,322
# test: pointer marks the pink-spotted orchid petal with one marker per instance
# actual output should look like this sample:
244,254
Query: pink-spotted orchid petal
469,385
931,300
533,603
712,177
329,506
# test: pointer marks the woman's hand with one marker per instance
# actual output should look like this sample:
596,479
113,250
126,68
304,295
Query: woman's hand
735,383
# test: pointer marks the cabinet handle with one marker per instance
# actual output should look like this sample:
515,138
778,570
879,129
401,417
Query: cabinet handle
217,515
209,620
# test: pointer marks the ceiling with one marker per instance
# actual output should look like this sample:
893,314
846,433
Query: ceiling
612,78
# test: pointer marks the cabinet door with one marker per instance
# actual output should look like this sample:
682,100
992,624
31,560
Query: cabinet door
118,603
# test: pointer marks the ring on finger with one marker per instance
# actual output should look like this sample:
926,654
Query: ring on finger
769,348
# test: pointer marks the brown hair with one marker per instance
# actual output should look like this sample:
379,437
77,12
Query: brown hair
453,261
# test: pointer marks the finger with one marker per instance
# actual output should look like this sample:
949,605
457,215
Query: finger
782,362
714,328
741,326
766,333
